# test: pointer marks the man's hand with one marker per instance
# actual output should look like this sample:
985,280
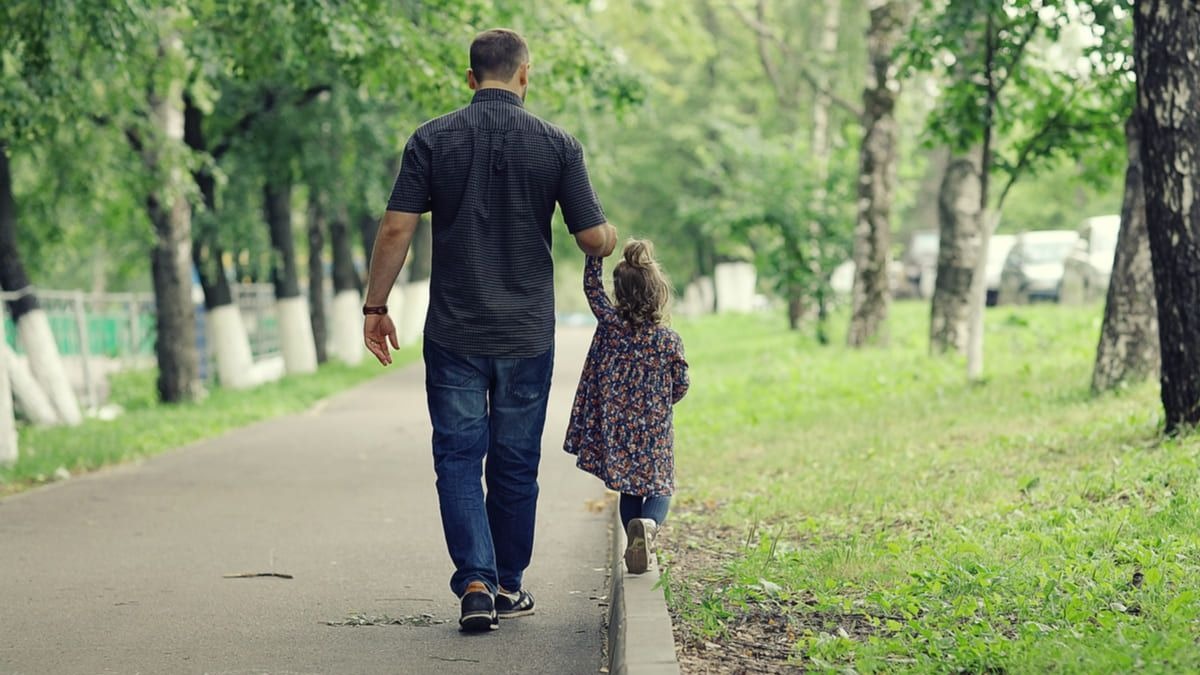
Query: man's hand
378,332
598,241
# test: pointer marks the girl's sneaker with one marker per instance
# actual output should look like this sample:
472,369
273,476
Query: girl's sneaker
640,534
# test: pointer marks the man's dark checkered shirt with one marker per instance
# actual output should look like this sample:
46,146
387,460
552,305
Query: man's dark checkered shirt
491,173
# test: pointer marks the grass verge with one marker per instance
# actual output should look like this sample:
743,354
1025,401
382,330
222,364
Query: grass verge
148,427
871,510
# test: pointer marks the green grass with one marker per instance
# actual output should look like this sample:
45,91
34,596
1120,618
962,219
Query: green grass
148,428
892,517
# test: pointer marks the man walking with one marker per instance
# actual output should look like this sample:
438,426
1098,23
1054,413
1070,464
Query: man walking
491,174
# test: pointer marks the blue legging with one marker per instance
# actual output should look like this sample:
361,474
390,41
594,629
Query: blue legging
654,508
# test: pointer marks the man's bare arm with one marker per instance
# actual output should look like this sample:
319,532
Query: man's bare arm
391,249
598,241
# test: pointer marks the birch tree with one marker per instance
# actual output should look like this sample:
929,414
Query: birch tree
1128,347
1167,59
1017,112
877,175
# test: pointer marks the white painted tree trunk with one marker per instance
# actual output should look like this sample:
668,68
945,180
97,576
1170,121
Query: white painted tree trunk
296,337
735,287
231,343
416,304
395,304
8,424
25,389
345,335
692,302
33,330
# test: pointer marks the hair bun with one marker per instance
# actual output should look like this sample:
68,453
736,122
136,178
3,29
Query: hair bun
639,253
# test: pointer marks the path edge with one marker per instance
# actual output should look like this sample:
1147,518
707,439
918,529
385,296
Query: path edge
640,638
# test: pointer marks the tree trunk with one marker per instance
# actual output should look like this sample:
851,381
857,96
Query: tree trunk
368,227
958,254
13,276
795,309
345,277
277,209
977,296
170,258
822,153
877,178
171,266
207,254
33,326
416,288
1167,60
1128,349
316,276
27,394
346,321
295,326
421,259
226,331
8,424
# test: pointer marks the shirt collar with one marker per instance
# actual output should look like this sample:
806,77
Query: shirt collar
494,94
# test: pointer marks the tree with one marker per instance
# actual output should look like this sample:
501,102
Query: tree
231,343
346,339
1016,115
808,254
43,49
960,224
316,275
1128,348
1167,59
877,176
160,145
295,329
8,427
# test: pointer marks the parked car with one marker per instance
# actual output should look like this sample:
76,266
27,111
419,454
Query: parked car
1033,269
998,247
920,261
1089,266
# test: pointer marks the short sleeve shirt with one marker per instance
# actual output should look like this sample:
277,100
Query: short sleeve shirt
492,173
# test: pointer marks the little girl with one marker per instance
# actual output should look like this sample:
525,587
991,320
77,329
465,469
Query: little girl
621,421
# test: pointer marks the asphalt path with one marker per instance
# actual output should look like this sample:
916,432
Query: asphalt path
124,571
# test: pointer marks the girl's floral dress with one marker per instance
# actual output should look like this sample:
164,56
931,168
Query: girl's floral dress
620,424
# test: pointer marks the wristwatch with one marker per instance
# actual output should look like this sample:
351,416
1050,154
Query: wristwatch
374,309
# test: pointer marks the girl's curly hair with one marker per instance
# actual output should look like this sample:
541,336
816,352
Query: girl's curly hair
642,289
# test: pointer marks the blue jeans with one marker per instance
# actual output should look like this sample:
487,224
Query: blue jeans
494,408
633,506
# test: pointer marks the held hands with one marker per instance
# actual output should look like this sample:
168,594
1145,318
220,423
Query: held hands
378,333
610,241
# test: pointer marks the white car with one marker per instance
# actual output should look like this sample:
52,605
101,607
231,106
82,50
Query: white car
1033,269
998,247
1087,269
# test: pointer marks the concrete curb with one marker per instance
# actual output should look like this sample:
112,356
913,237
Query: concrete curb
640,640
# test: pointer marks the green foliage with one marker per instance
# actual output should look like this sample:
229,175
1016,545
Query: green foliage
323,94
887,515
1046,79
798,226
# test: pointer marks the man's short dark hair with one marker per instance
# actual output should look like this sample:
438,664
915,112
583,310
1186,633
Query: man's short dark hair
497,53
